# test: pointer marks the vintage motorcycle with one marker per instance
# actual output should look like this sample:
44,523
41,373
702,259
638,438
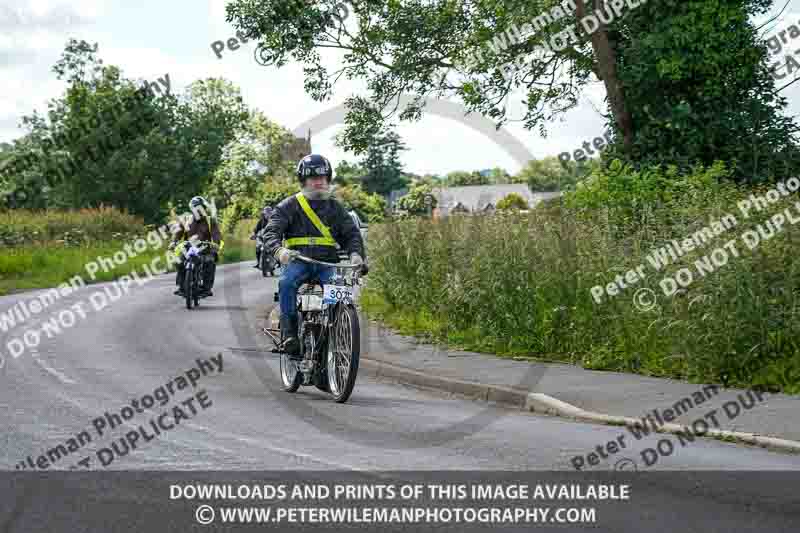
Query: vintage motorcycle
328,331
199,267
266,262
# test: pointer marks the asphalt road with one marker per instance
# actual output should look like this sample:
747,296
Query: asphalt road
147,338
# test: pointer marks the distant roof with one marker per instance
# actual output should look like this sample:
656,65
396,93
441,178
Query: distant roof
479,196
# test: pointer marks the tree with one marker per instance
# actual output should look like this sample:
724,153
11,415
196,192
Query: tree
216,111
420,200
511,202
253,157
549,174
699,89
269,193
656,78
387,53
384,171
105,141
460,178
432,180
497,176
347,173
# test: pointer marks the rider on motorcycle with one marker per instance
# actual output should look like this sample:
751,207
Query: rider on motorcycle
204,227
315,225
262,223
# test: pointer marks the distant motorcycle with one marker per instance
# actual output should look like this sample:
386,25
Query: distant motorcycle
266,263
198,257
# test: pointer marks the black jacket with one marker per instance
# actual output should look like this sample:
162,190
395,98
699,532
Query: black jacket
288,220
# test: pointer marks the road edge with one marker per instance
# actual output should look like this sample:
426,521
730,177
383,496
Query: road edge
545,404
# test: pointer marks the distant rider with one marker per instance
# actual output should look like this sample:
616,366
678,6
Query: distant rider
262,224
205,227
313,224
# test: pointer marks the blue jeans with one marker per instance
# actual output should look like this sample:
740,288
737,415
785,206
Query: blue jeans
295,274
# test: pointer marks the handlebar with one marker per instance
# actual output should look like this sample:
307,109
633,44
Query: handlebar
336,265
198,244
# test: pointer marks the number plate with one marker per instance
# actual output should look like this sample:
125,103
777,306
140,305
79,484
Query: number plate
336,293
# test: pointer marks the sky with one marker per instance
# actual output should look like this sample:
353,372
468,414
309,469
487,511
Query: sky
148,39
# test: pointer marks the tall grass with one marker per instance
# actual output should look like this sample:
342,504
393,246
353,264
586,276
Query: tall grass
23,226
520,285
41,249
33,267
45,248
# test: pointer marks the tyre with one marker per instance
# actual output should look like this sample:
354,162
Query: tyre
321,377
290,375
188,286
199,284
344,349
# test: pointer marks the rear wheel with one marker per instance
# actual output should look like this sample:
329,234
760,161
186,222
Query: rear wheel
344,349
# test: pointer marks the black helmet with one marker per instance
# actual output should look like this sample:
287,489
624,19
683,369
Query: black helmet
197,201
314,165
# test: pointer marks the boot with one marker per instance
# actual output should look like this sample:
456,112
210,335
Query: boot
291,345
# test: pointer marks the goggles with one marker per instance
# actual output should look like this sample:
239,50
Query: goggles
316,171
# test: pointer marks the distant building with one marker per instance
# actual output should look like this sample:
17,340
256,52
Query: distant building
297,149
483,198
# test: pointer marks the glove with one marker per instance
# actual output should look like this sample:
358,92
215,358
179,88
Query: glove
356,259
284,255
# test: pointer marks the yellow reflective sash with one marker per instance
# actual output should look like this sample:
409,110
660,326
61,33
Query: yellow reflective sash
326,239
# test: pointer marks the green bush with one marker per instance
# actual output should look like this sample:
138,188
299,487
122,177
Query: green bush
237,210
414,203
271,193
370,207
635,198
512,201
521,286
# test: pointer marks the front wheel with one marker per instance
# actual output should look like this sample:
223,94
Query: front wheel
290,374
188,286
198,280
344,349
265,265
